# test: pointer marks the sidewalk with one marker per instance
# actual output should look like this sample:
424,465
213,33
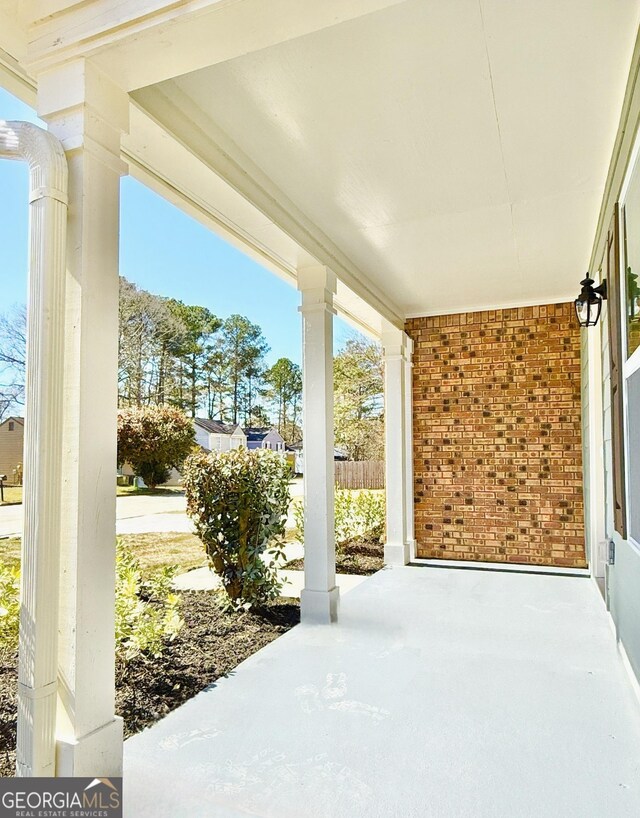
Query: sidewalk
135,514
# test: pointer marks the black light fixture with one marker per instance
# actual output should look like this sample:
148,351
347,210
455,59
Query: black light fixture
589,303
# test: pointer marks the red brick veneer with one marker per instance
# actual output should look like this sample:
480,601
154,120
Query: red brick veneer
497,449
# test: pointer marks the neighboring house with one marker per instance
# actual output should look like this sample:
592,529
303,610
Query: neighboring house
215,436
11,443
296,449
264,438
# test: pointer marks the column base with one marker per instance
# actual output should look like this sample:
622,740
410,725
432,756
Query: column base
396,553
96,755
319,607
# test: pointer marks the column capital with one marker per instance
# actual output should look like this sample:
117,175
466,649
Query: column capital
318,285
396,343
85,110
317,277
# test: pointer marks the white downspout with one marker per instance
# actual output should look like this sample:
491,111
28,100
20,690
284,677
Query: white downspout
38,660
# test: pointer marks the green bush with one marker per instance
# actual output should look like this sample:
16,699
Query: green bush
238,502
359,515
298,518
9,606
154,439
147,612
369,514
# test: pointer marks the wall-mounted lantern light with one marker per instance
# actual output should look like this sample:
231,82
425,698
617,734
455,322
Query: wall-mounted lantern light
589,303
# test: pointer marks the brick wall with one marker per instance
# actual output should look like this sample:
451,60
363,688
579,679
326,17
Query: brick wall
497,449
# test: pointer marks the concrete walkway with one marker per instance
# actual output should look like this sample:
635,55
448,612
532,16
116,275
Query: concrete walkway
138,514
442,692
134,515
204,579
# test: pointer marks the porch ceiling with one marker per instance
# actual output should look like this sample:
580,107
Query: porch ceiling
454,153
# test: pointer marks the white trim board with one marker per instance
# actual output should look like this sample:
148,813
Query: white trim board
515,567
510,305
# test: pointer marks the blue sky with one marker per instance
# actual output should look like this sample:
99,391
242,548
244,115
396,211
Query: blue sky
164,251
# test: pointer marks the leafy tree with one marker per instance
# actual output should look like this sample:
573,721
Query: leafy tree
148,338
13,343
284,390
259,417
154,439
359,400
218,389
199,325
243,346
238,501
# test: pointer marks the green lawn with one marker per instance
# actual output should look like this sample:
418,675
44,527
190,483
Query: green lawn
154,551
13,494
167,549
132,491
10,551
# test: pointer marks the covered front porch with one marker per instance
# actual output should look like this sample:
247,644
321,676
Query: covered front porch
441,692
397,162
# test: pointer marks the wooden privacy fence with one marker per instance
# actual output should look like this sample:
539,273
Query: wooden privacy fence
360,474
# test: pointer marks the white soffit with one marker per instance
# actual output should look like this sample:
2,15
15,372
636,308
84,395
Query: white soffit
456,152
167,167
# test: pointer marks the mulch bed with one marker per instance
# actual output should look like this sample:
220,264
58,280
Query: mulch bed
362,558
210,645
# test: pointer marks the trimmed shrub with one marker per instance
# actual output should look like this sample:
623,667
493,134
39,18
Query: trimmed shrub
238,502
9,606
147,611
359,516
154,439
369,515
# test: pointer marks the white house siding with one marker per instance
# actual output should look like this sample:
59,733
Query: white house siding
11,447
622,578
219,442
272,440
238,441
202,437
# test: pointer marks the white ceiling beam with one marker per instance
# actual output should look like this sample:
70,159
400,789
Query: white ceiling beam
143,42
13,78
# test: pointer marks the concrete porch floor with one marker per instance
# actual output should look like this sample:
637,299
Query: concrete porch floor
441,692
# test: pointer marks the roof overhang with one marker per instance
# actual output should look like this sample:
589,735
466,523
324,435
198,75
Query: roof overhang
439,157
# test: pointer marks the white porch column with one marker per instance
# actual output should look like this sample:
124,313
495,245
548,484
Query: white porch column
408,447
319,598
88,114
398,456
